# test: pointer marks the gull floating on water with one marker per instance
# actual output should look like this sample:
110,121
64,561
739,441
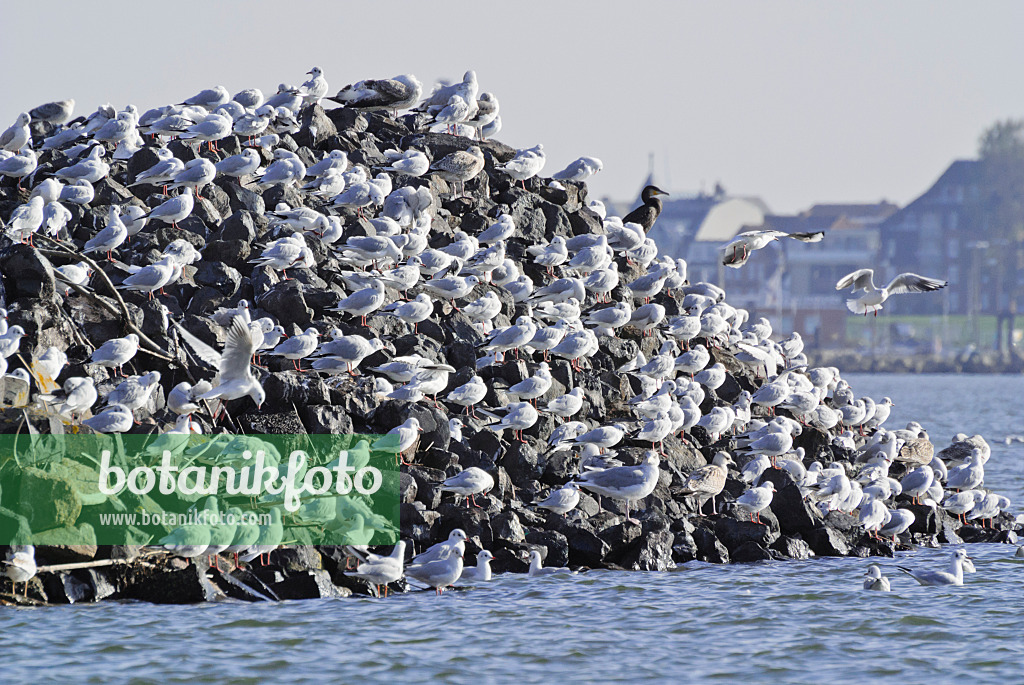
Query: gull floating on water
955,575
874,580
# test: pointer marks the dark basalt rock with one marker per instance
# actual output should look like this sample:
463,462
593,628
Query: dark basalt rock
230,227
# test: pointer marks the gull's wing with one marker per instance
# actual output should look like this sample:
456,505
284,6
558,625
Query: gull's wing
861,279
238,350
912,283
814,237
204,352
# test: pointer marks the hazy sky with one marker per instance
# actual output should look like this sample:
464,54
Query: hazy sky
796,102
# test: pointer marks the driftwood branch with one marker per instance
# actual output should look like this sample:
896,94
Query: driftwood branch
121,309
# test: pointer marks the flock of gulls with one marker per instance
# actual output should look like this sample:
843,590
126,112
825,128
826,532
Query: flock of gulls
567,317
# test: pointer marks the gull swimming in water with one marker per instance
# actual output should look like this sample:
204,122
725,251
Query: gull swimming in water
874,580
538,569
955,575
873,297
482,571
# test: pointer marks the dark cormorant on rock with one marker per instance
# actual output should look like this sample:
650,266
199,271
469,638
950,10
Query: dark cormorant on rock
647,213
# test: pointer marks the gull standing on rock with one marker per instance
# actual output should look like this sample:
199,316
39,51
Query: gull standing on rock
400,439
708,481
116,352
174,209
562,500
624,482
756,500
469,483
114,419
377,569
519,416
21,566
298,347
580,170
469,394
526,164
17,134
460,166
401,92
111,237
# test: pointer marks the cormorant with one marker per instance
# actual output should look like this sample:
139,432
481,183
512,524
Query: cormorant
647,213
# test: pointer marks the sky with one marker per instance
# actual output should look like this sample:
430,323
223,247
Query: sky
794,102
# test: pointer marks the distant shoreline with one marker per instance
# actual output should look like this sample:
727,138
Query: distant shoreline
852,361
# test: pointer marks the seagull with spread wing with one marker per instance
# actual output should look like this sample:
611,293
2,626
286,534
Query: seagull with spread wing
873,297
235,379
737,252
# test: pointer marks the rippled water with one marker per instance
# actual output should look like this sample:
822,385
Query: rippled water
786,622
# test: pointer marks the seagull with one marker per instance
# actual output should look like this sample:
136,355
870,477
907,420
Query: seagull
298,347
755,500
873,297
134,392
525,164
363,302
377,569
624,482
563,500
58,112
151,278
116,418
116,352
111,236
439,573
708,481
348,350
468,483
460,166
401,92
482,571
401,438
17,134
519,416
538,569
234,378
174,209
955,575
469,394
874,580
580,170
78,396
21,566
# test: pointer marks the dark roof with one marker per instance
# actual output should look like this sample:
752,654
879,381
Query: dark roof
876,210
961,173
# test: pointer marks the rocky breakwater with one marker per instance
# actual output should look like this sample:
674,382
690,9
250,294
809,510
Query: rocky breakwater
540,320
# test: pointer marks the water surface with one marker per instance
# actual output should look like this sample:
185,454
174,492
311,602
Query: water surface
785,622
